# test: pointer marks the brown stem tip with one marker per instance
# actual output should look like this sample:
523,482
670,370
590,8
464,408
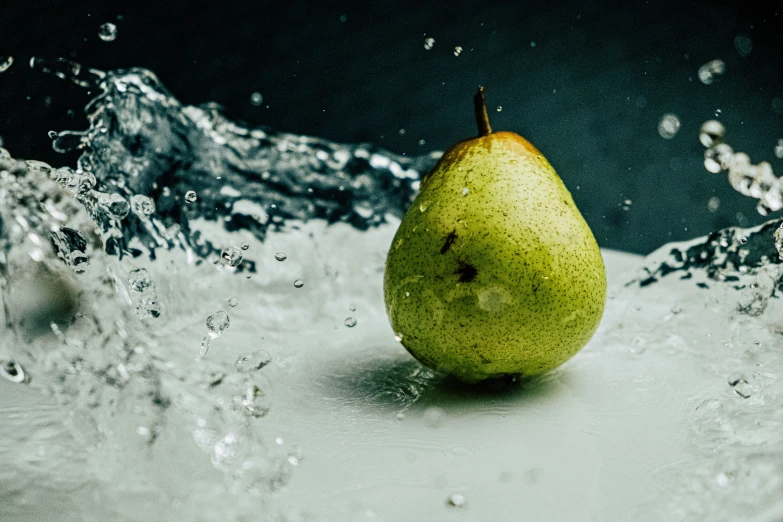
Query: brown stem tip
482,118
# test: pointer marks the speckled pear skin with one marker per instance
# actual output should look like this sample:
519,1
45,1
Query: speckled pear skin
503,279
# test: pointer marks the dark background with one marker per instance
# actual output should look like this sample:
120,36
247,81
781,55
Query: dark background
589,94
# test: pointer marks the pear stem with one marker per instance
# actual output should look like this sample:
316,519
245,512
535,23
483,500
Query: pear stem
482,118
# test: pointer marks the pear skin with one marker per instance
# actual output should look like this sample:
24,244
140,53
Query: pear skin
493,272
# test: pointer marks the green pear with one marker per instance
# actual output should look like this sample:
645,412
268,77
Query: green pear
493,272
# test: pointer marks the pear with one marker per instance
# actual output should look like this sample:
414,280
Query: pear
493,273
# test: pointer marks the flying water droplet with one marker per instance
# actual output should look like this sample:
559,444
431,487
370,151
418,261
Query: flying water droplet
190,196
429,43
434,416
456,500
253,362
713,204
256,99
669,126
6,63
231,256
217,323
298,283
712,71
244,246
107,32
280,256
350,322
142,205
500,108
53,135
743,45
233,302
12,371
114,205
779,149
398,337
457,50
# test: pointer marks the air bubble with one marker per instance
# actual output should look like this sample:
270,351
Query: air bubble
350,322
298,283
429,43
233,302
190,196
256,99
434,416
280,256
669,126
107,32
231,256
114,205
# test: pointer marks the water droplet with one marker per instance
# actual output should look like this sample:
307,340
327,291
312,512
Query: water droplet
676,310
743,240
293,460
252,362
53,135
233,302
398,337
402,132
424,205
532,43
204,346
434,416
456,500
217,323
279,441
350,322
711,71
465,191
743,45
231,256
400,416
669,126
298,283
280,256
12,371
139,280
429,43
143,431
422,142
244,246
142,205
713,204
190,196
500,108
779,149
6,63
114,205
457,50
722,480
256,99
107,32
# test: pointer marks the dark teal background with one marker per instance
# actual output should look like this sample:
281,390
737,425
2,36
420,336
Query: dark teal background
589,95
